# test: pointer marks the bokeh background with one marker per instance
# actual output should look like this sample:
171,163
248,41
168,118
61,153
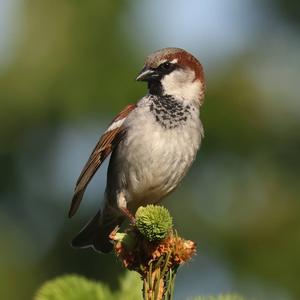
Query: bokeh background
66,67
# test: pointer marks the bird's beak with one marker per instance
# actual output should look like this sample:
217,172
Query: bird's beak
146,74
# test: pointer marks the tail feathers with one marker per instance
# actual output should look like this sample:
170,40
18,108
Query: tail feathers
96,233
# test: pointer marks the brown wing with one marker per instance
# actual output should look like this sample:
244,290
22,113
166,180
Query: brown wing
103,148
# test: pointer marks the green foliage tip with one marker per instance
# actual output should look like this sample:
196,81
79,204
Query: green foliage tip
153,222
73,287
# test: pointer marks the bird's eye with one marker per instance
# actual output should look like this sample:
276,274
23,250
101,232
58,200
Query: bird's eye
166,66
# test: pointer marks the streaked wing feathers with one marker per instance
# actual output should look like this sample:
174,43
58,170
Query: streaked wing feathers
103,148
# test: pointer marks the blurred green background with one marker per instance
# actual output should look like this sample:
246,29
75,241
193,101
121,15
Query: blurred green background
67,67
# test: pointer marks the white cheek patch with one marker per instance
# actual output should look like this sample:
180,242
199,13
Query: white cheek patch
181,84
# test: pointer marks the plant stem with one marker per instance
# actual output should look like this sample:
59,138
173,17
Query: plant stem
159,280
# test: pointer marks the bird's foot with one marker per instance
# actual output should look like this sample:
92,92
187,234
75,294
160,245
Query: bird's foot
112,235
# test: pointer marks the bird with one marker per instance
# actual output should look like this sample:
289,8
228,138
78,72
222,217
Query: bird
151,144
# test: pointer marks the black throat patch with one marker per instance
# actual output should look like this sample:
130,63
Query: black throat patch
169,112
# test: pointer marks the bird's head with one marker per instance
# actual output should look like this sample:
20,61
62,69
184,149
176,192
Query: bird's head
174,72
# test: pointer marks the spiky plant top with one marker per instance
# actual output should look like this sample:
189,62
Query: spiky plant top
151,247
150,239
153,222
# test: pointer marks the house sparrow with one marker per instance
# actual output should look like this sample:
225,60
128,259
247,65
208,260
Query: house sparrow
152,144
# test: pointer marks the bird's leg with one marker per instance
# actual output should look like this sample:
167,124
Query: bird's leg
128,214
122,204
